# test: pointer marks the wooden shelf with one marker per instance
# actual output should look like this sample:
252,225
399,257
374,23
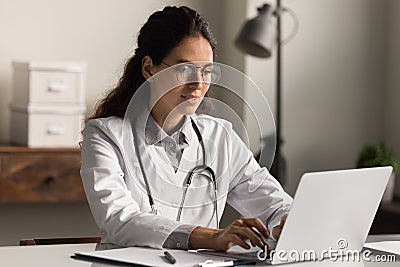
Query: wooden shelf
24,149
40,175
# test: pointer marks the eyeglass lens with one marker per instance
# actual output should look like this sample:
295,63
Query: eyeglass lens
187,73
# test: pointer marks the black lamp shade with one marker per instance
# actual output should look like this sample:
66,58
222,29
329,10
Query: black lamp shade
257,36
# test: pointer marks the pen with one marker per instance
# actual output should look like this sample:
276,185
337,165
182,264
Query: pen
169,257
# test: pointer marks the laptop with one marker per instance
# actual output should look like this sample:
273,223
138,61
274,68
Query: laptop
332,212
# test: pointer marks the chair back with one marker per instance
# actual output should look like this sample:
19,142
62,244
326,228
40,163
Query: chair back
55,241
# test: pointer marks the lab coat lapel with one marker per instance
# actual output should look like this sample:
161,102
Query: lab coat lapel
165,184
190,158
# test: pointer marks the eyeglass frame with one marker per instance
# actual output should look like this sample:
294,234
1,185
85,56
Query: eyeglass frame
195,67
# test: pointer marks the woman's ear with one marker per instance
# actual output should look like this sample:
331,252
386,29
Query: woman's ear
147,65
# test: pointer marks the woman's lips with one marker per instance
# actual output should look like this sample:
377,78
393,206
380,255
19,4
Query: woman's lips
192,99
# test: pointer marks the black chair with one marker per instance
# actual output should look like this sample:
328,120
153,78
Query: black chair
55,241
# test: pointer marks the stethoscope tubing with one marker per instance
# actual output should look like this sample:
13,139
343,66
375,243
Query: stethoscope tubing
146,181
202,167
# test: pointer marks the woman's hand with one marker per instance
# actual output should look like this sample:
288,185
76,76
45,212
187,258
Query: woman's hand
276,232
236,233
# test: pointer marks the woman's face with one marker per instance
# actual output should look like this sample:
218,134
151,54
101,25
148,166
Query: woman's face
182,99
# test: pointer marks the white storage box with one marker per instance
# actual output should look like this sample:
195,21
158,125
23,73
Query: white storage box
46,126
48,83
48,103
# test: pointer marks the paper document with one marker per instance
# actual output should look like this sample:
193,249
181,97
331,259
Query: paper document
387,246
152,257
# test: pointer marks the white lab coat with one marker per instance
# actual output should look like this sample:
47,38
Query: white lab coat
116,191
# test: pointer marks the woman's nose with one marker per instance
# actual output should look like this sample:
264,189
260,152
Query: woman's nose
196,85
196,82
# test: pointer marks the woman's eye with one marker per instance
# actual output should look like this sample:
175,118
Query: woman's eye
184,69
207,72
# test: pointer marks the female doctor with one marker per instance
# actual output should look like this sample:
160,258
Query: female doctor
168,186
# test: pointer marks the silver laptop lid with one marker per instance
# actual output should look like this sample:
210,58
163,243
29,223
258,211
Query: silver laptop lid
331,210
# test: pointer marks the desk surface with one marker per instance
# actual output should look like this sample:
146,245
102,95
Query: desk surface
59,255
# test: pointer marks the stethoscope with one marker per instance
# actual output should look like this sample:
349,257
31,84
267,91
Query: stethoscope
197,169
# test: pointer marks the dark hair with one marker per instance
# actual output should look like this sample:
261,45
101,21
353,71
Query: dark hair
163,31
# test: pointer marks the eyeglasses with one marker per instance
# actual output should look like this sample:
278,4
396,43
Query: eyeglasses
187,72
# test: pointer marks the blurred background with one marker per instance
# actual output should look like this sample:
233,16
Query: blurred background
340,80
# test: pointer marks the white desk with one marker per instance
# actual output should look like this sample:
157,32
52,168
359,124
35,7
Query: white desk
59,256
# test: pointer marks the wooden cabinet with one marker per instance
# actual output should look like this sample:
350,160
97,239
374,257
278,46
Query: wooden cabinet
40,175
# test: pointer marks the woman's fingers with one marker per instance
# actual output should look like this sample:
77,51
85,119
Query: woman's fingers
257,223
242,230
283,220
276,232
253,223
235,239
248,229
250,235
244,234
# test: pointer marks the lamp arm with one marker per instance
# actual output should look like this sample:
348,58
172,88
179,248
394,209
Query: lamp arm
279,12
296,25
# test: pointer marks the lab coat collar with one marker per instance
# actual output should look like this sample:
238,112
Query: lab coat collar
155,134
